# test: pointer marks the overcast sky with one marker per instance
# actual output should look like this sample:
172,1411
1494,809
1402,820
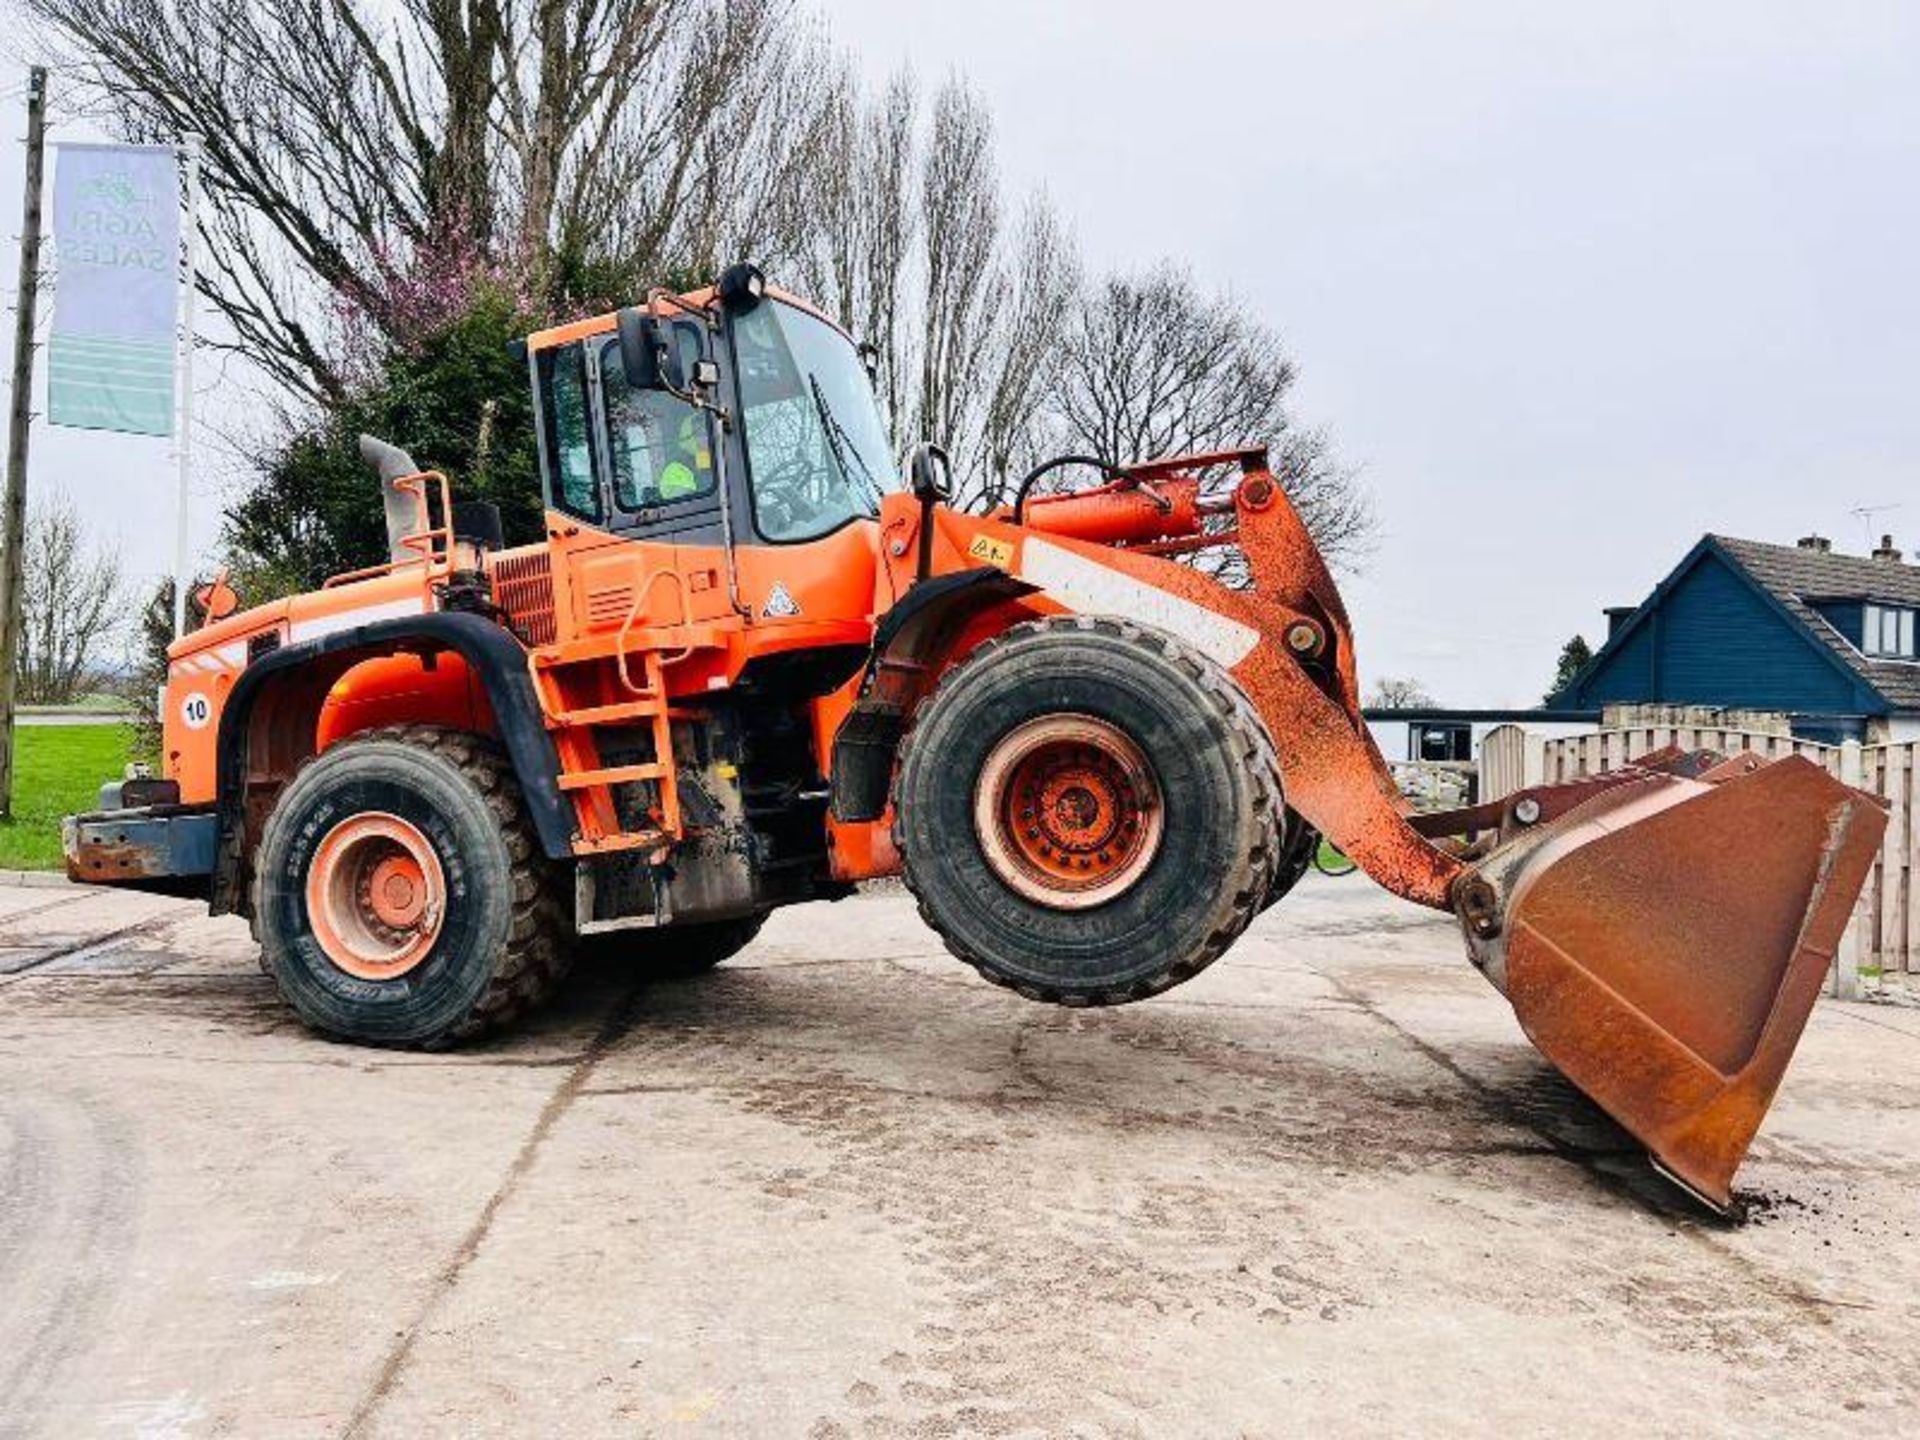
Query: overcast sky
1571,284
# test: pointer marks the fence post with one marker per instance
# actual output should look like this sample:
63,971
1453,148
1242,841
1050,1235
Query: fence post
1846,958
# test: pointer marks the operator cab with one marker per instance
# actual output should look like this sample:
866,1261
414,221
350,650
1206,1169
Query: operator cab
805,453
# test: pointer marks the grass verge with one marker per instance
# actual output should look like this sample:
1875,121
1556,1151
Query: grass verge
57,770
1331,861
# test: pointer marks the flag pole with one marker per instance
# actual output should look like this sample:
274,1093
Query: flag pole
20,425
183,440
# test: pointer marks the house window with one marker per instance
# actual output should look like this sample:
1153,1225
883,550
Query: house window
1440,741
1889,631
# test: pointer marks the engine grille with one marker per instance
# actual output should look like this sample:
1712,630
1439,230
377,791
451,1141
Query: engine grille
609,606
523,587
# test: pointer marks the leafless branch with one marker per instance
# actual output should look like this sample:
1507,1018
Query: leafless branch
72,602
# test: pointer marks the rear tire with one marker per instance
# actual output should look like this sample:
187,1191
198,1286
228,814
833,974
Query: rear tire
486,949
1215,856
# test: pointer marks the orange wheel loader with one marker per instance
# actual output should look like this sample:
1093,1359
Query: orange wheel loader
751,664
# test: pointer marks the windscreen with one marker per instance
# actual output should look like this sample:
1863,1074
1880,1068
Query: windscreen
816,446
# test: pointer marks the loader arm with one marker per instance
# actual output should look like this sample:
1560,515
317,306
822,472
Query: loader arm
1286,640
1662,932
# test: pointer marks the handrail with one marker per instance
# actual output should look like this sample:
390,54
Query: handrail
430,542
633,613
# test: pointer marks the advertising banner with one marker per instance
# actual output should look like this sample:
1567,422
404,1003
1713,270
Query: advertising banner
116,314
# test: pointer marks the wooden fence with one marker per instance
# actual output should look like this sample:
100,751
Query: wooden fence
1885,935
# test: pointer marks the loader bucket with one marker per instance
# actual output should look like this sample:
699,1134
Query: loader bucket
1664,941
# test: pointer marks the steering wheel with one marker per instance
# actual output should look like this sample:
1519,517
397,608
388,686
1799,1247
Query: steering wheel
782,498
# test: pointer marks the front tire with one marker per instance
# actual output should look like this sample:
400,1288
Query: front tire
1087,811
400,897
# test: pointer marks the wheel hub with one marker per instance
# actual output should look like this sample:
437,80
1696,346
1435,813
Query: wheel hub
376,896
1068,811
397,893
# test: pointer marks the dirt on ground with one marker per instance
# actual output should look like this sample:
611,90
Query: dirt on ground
842,1188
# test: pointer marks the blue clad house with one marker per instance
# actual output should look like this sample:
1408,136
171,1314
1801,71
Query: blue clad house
1825,638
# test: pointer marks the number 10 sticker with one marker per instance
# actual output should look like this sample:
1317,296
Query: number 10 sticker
195,711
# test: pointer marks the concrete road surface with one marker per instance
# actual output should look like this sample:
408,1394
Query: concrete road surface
842,1188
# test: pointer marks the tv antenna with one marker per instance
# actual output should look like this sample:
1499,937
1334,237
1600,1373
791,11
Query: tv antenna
1866,514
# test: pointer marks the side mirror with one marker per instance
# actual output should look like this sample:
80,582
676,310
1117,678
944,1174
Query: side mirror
651,362
930,473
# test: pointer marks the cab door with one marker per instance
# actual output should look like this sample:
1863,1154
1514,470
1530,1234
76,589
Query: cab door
633,477
665,486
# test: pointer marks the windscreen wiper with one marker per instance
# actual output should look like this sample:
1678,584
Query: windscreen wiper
840,442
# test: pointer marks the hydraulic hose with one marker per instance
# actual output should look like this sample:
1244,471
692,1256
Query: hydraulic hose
1046,467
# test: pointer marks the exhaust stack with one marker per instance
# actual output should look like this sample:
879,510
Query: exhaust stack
391,463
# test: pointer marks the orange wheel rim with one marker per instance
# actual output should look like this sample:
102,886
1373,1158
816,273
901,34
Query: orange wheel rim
376,896
1068,811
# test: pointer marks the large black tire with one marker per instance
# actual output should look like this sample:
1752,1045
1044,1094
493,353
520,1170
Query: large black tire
1296,856
1219,854
500,950
679,951
1293,855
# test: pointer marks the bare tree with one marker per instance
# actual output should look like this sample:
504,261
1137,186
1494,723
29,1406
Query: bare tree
1040,290
555,141
1394,693
913,256
1329,495
715,149
963,282
1153,367
71,605
991,345
862,249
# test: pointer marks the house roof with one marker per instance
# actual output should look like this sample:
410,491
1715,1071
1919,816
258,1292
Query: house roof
1794,577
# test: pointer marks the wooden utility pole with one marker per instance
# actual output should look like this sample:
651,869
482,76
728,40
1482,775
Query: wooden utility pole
20,423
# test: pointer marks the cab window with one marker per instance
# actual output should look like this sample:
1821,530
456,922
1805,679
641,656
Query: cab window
569,432
816,446
661,447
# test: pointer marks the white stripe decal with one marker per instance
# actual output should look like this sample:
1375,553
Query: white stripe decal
321,625
231,656
1093,589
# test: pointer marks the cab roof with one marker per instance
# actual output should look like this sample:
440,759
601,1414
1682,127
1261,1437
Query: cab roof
699,299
